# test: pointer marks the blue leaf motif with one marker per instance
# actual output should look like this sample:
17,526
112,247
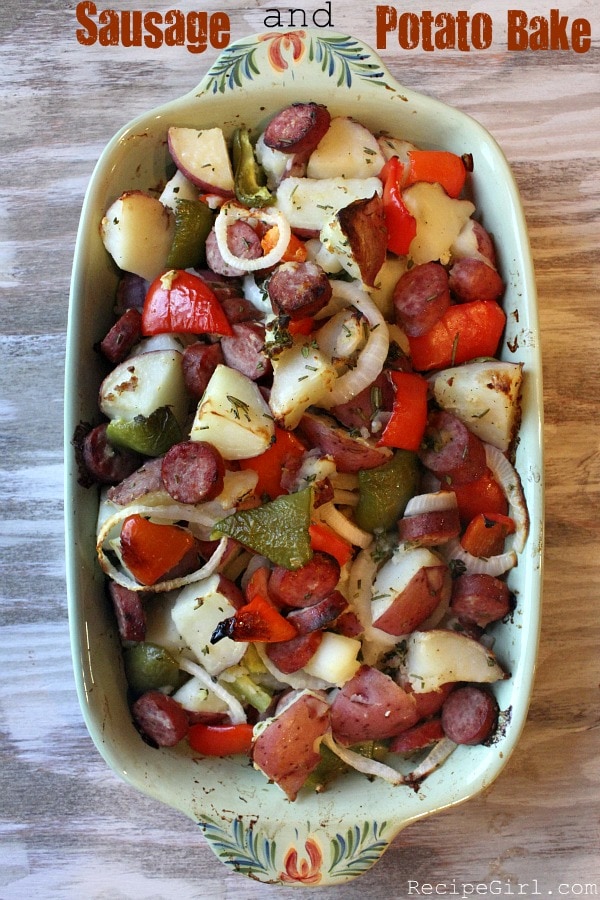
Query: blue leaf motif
241,848
357,850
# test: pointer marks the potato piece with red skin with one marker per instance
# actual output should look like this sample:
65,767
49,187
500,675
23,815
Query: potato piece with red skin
363,227
408,588
426,590
371,706
286,749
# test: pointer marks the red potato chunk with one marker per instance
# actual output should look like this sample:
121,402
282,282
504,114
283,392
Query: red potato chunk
287,750
371,706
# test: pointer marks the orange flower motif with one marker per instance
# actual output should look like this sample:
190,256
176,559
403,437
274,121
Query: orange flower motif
309,870
281,42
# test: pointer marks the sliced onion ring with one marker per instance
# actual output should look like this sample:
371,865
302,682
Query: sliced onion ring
508,478
362,763
372,356
360,587
156,513
478,565
230,213
438,754
436,501
329,514
236,710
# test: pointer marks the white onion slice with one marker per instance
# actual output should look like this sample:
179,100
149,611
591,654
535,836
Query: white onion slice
438,754
372,356
345,498
508,478
345,481
346,529
432,502
362,763
360,587
232,212
478,565
236,710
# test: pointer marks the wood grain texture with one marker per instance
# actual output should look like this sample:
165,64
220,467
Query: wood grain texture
69,828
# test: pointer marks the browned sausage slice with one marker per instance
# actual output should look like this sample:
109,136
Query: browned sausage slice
198,364
472,279
290,656
126,332
421,297
297,128
129,612
244,350
298,289
145,480
104,462
349,454
469,715
242,241
160,718
358,412
305,586
319,615
480,599
193,471
429,529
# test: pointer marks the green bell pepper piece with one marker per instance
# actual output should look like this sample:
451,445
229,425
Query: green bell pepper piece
331,766
249,179
277,530
193,222
385,490
150,667
150,435
248,691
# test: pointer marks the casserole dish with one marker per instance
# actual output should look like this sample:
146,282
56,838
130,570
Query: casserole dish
331,837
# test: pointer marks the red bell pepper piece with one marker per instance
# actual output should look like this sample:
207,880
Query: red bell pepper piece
257,620
304,326
150,550
486,533
294,252
269,465
220,740
324,539
406,426
400,223
437,166
179,302
484,495
464,332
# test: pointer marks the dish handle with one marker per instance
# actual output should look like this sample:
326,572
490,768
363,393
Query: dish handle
299,854
276,57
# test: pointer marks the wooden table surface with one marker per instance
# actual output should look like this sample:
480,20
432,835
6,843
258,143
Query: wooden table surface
69,827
